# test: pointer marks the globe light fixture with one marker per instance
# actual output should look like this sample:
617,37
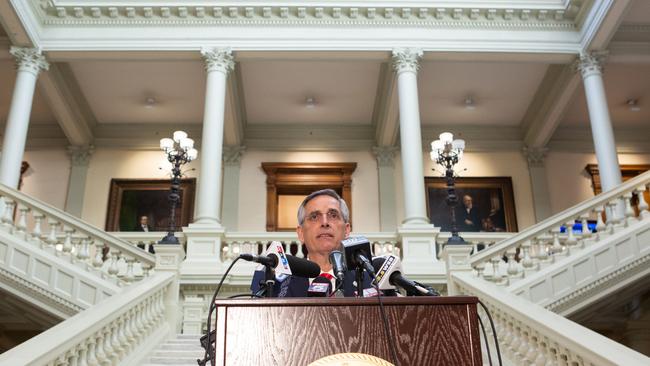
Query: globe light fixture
179,151
447,152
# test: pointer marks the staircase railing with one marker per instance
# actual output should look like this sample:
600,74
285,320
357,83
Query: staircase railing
83,244
542,244
120,330
531,335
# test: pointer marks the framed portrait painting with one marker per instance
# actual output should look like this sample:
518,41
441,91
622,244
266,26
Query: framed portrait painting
130,200
484,204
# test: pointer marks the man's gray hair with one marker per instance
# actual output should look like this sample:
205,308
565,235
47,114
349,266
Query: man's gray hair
345,212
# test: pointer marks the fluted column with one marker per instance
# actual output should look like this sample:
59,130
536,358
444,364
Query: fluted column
386,173
29,62
406,64
538,181
218,63
79,159
590,66
231,164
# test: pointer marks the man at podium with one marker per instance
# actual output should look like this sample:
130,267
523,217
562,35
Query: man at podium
323,222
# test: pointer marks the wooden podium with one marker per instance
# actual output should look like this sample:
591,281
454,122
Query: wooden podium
298,331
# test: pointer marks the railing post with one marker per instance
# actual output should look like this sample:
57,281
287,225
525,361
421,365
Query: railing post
168,259
192,315
456,258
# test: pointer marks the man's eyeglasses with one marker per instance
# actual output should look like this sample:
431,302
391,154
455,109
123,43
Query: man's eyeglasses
317,216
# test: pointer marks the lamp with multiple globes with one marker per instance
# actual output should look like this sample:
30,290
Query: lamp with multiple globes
447,152
179,151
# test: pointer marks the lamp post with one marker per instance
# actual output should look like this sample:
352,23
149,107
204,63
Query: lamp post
447,152
180,151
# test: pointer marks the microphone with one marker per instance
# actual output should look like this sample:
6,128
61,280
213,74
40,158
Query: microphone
357,252
389,275
337,260
276,259
320,287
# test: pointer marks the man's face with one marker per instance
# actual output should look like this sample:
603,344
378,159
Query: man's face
323,228
144,220
467,200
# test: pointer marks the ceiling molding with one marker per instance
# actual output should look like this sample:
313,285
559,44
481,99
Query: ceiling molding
305,137
579,139
141,136
549,104
477,138
385,118
602,22
629,52
68,104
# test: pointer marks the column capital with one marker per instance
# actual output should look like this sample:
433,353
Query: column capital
218,59
29,59
535,155
406,59
80,155
231,155
591,63
385,155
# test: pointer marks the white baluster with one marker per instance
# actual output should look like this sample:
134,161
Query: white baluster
21,225
99,348
52,239
92,354
112,269
586,233
84,251
67,242
122,336
8,216
115,341
129,270
99,254
37,232
496,275
526,262
556,247
480,267
601,228
612,215
571,240
629,210
513,270
643,204
82,351
108,349
542,253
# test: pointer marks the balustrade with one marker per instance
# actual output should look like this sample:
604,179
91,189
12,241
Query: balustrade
68,237
537,247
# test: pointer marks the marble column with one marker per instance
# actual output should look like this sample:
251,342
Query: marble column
590,66
218,64
30,62
386,173
406,65
79,159
231,164
417,235
538,181
205,235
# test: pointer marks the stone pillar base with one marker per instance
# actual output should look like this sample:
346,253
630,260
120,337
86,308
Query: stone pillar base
192,315
168,259
419,257
456,259
203,250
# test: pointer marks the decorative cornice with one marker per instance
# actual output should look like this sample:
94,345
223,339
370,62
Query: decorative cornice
599,286
385,155
80,155
591,63
218,59
78,13
232,155
535,155
406,59
29,59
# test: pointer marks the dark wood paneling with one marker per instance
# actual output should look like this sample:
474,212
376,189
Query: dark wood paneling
426,331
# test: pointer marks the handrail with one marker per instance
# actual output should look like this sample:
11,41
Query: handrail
105,333
71,221
529,334
560,218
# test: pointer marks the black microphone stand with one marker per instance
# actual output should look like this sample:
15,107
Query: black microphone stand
266,288
359,273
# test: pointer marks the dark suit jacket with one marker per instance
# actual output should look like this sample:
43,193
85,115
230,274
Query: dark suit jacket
472,215
294,286
138,227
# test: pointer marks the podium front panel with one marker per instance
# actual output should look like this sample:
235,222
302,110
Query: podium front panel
425,330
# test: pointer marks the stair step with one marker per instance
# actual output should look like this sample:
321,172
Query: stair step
171,361
181,347
176,353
